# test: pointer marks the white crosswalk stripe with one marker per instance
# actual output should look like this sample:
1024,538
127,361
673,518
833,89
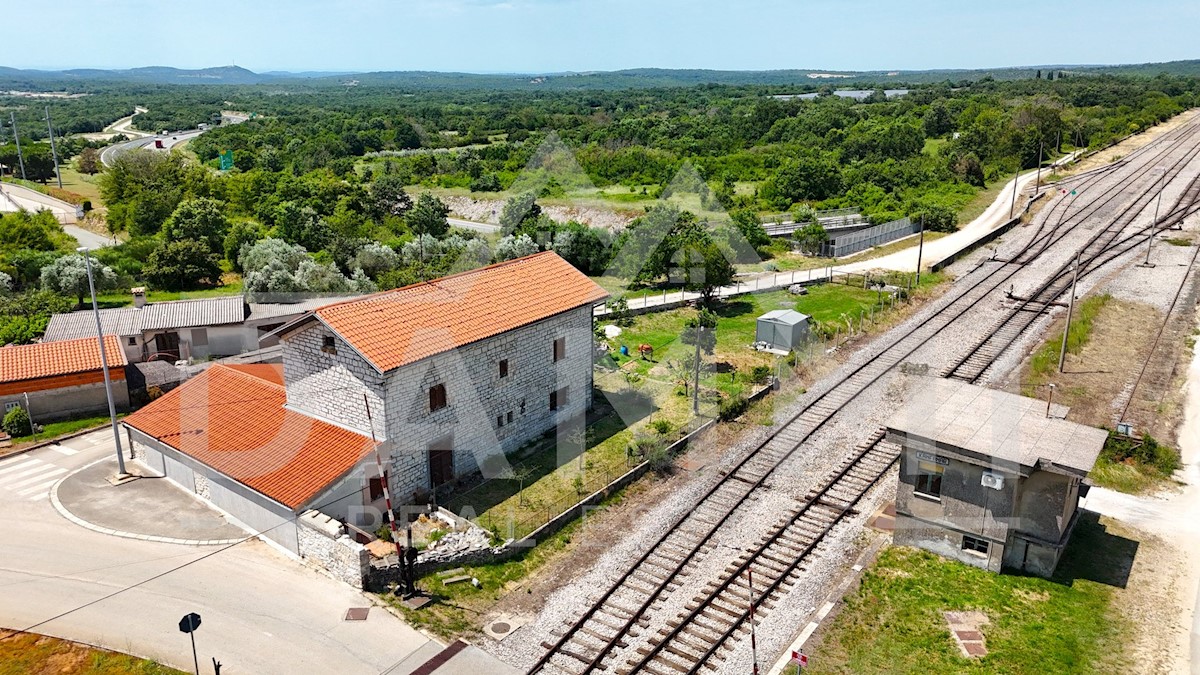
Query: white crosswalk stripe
30,478
64,450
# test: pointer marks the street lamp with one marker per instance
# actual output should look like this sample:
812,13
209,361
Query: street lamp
112,408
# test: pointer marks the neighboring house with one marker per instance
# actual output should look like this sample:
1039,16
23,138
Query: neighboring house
989,478
62,379
200,328
456,372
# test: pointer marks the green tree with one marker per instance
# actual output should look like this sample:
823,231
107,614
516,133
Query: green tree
703,327
184,264
428,216
201,220
804,178
243,233
518,210
810,237
746,221
388,197
89,161
68,275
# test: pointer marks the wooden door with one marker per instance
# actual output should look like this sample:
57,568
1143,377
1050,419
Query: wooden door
441,461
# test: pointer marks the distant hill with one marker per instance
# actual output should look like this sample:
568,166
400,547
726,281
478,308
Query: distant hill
11,78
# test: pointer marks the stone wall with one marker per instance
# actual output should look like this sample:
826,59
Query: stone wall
330,386
486,415
323,542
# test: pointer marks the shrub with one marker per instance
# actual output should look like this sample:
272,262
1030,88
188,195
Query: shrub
760,374
1147,452
732,408
16,422
663,427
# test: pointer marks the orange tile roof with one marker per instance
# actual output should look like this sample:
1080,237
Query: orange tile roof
51,359
405,325
234,421
271,372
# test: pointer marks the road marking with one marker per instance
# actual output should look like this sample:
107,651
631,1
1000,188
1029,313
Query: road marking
44,488
63,450
27,481
22,464
38,466
40,497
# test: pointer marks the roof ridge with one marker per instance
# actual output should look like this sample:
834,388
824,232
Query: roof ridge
243,374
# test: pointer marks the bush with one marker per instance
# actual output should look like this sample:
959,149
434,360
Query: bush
732,408
760,374
663,427
16,422
1122,449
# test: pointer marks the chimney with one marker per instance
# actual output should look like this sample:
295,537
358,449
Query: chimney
139,297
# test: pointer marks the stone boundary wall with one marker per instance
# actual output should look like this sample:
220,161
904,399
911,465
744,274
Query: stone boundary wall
322,542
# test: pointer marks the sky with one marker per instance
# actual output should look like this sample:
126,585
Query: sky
545,36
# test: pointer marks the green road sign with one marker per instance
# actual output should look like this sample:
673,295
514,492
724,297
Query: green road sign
226,160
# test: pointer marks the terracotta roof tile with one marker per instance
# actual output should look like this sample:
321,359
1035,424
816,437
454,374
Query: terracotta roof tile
398,327
50,359
233,420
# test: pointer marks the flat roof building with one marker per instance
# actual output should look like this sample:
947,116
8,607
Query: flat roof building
987,477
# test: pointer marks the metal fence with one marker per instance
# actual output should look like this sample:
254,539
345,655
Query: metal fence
865,239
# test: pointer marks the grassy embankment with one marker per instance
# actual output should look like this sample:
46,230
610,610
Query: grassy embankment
30,654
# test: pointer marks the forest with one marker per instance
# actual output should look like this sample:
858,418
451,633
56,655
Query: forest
345,189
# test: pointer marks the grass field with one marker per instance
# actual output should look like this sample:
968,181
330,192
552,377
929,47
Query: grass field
30,654
894,622
56,429
82,184
122,299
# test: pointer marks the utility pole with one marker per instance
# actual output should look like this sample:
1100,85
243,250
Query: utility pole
696,376
1037,184
1062,353
753,632
1012,208
32,424
1050,399
112,408
1154,224
920,249
53,148
12,118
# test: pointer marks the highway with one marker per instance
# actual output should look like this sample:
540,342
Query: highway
109,154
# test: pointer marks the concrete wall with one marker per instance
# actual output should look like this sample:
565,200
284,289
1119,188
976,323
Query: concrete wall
257,514
67,402
477,395
1047,502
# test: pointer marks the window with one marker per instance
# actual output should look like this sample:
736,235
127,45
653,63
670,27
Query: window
510,417
499,421
558,398
560,349
437,397
376,487
133,342
503,368
199,337
929,479
975,544
328,345
10,406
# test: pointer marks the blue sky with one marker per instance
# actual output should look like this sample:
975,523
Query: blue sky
562,35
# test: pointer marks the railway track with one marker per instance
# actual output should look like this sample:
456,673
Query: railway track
602,637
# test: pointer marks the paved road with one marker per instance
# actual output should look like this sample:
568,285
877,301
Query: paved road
107,155
263,611
87,238
472,225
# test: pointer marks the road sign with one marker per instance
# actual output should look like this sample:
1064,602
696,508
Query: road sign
227,160
799,659
189,623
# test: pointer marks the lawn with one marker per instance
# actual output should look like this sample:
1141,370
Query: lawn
1068,624
31,654
81,184
56,429
122,298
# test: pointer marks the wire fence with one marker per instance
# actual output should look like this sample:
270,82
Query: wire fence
862,240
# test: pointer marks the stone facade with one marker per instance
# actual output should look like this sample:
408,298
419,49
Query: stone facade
323,542
486,415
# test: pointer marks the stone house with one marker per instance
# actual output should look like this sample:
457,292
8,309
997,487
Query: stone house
989,478
60,380
455,372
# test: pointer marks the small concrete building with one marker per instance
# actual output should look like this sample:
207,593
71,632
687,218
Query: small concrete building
782,329
987,477
61,380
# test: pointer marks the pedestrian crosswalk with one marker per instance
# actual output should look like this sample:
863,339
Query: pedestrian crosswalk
28,478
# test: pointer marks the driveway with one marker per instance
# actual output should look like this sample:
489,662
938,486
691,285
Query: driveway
263,612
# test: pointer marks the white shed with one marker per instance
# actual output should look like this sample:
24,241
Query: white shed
782,329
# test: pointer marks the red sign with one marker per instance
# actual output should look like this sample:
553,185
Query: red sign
799,658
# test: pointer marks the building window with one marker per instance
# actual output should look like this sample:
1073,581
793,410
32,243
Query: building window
929,479
376,487
558,398
975,544
560,349
503,368
133,342
437,397
199,337
499,421
510,417
11,405
328,345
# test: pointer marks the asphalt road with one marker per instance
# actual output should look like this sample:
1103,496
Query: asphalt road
107,155
472,225
263,612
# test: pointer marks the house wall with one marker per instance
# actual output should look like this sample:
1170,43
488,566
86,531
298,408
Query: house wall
477,395
964,507
331,386
71,400
1047,504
